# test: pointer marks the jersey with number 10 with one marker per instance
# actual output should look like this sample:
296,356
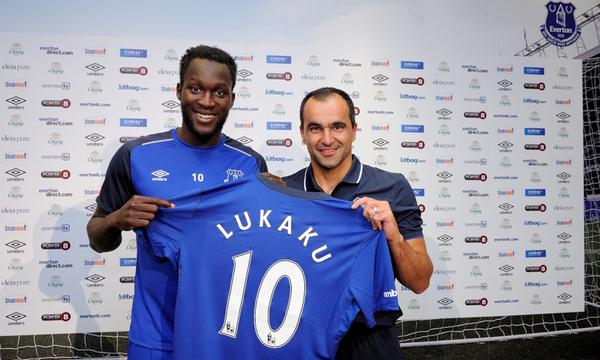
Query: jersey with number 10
162,165
268,272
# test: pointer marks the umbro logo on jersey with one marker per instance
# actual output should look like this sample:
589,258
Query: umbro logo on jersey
390,293
159,175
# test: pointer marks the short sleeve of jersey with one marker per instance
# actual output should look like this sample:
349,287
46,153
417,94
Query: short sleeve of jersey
260,161
404,206
372,281
164,237
117,187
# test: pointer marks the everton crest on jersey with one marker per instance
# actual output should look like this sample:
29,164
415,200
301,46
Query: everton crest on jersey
560,28
268,272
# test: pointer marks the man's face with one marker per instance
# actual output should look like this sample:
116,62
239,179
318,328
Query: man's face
328,132
206,97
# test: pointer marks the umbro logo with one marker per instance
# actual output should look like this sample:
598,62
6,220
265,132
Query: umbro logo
159,175
95,67
95,278
444,112
444,175
505,145
379,78
15,100
504,83
244,73
170,104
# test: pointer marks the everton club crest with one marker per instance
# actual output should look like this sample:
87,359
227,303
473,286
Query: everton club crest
560,28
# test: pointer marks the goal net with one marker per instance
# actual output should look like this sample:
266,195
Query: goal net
449,331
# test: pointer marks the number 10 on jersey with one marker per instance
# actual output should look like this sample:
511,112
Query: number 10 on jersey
269,337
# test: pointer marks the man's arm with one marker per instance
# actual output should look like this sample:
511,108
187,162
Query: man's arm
104,228
412,264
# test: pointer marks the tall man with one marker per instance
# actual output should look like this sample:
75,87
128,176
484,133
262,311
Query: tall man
328,128
145,172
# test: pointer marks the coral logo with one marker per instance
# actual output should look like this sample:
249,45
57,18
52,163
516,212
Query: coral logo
279,59
134,53
412,65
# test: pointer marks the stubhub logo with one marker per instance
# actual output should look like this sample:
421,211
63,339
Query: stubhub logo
279,125
279,59
535,131
409,128
535,192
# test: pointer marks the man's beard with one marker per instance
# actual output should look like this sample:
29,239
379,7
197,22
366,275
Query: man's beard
202,138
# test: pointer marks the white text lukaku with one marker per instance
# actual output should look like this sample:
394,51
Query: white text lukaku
245,223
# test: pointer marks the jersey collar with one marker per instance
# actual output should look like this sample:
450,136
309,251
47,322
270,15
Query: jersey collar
198,148
352,177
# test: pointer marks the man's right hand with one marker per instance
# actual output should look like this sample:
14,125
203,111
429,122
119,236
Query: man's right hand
138,211
104,229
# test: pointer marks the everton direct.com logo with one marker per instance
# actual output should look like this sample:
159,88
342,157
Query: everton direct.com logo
560,28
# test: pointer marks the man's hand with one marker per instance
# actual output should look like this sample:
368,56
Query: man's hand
412,264
104,229
380,215
274,178
137,212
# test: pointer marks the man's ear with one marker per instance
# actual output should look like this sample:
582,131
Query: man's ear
302,134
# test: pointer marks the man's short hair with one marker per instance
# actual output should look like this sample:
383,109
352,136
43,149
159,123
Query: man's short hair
209,53
322,94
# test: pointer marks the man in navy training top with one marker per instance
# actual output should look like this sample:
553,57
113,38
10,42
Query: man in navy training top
328,128
148,170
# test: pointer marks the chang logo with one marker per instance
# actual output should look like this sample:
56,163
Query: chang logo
475,146
476,271
171,55
413,177
474,84
443,67
56,68
347,79
279,110
16,49
55,282
313,61
95,299
244,93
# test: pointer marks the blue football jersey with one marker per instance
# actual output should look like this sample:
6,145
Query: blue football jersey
162,165
269,272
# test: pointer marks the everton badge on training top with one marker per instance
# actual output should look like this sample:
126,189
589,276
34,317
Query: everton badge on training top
560,28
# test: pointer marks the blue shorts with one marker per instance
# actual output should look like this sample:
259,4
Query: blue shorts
138,352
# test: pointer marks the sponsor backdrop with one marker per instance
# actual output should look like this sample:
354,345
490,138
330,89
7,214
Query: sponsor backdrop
492,147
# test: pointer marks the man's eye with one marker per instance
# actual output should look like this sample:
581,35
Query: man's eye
195,89
220,92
